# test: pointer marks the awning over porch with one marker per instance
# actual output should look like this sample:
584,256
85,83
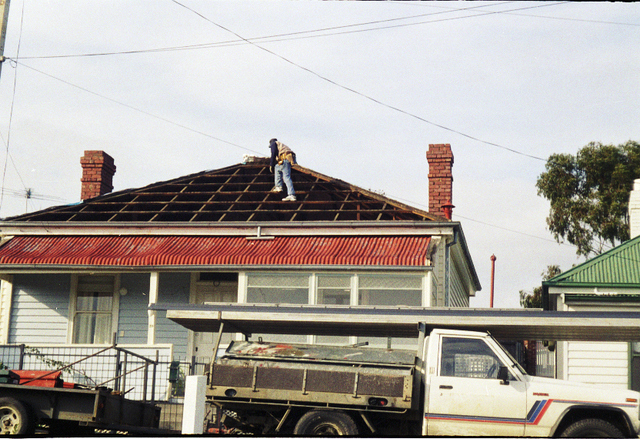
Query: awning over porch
154,251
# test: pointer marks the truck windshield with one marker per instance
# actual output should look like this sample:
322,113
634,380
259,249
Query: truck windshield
514,362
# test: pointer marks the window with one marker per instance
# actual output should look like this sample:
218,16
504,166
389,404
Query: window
635,366
390,290
278,288
339,289
94,308
468,358
334,290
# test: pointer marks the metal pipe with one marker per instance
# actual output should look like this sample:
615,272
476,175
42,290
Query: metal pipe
493,273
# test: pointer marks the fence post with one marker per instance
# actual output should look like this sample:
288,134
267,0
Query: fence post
194,405
21,360
153,381
124,374
116,385
145,377
192,366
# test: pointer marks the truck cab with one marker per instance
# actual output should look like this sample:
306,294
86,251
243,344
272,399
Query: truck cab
475,388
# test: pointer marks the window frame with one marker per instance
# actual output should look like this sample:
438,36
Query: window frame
73,300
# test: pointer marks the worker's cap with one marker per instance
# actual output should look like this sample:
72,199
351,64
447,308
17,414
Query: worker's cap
272,141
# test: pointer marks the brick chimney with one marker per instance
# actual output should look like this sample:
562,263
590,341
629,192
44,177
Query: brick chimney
440,159
97,174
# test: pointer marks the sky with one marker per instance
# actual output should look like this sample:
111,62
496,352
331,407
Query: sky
357,89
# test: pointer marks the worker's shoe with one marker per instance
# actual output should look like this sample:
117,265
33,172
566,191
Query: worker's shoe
276,189
289,198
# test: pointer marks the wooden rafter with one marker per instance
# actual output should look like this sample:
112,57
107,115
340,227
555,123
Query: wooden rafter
236,193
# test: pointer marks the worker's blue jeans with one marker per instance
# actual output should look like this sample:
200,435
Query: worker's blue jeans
283,173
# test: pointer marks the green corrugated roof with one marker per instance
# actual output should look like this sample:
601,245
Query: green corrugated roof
619,266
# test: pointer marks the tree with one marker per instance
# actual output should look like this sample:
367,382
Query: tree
589,194
534,300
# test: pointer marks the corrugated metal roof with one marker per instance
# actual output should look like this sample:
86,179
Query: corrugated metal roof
143,251
619,267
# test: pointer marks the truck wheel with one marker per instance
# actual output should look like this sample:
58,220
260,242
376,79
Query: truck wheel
325,423
15,418
592,428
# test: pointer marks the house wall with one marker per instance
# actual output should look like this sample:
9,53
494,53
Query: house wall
6,290
39,308
172,288
133,320
597,363
440,274
46,298
605,363
458,296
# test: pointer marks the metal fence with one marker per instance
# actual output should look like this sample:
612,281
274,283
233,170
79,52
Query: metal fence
546,360
141,373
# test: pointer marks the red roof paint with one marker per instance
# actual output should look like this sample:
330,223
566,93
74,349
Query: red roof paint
138,251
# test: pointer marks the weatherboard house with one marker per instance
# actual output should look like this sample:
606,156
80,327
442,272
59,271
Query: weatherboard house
607,282
81,276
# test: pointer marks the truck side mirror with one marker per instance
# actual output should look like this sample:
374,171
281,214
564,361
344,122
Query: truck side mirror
503,375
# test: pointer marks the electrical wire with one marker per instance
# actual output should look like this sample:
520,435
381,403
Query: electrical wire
304,34
363,95
309,71
271,38
13,99
131,107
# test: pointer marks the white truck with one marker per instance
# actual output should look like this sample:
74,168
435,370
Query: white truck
458,382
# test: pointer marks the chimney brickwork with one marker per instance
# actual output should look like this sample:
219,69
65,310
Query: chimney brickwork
440,159
98,169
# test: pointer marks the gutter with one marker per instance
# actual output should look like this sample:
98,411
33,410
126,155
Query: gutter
233,228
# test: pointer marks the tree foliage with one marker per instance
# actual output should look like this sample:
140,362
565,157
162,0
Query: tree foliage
534,300
589,194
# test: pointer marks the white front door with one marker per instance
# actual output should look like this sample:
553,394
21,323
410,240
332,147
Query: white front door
467,399
221,291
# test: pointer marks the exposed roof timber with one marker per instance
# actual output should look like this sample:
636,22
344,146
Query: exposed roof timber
236,193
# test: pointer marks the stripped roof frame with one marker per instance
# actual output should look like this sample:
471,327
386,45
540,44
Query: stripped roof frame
238,193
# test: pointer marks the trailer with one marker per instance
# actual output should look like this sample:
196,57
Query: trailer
69,410
459,381
41,398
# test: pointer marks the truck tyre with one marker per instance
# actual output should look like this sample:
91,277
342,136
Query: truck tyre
325,423
592,427
15,418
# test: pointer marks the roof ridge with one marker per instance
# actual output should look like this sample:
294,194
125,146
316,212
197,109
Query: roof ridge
599,260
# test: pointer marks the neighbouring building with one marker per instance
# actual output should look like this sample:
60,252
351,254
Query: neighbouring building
83,275
608,282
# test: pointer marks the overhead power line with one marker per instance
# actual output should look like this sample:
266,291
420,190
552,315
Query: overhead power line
292,63
13,98
325,32
391,107
131,107
322,32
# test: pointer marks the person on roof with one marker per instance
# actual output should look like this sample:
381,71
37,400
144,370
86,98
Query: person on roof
282,157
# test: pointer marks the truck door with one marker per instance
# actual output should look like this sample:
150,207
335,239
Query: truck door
465,396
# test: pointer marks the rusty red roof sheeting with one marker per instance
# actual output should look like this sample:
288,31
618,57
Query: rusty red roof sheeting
140,251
